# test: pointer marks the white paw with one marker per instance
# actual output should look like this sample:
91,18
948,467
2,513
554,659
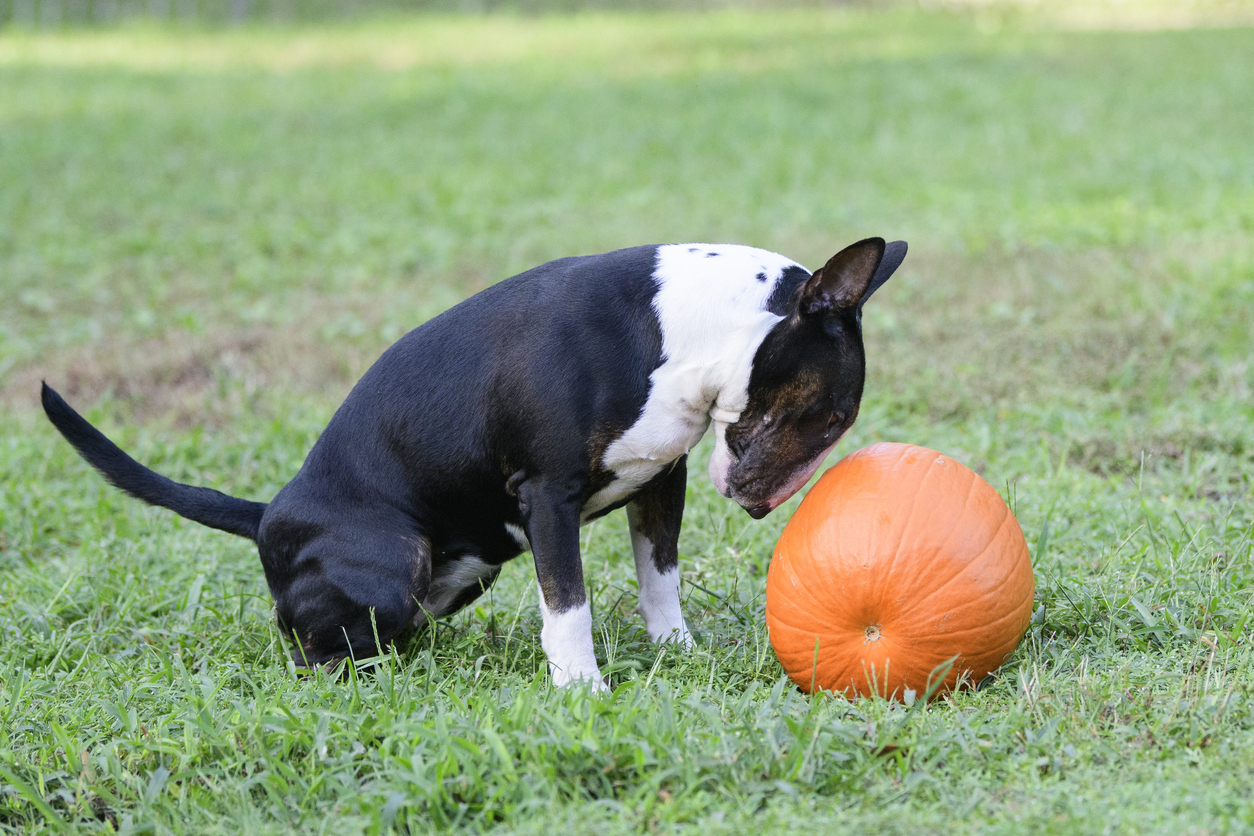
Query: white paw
666,634
591,679
567,642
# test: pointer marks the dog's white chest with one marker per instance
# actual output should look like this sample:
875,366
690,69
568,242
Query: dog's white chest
635,458
711,308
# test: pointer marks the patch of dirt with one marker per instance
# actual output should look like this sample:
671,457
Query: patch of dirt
193,380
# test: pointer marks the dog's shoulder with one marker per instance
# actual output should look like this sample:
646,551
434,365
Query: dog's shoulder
735,272
723,279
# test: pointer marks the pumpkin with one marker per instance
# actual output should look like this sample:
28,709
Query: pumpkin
898,561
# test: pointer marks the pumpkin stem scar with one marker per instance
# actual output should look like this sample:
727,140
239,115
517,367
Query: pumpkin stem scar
872,633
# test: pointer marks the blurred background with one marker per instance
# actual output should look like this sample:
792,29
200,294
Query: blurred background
1140,13
215,214
212,198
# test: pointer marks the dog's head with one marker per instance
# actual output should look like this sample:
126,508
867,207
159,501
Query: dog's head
806,382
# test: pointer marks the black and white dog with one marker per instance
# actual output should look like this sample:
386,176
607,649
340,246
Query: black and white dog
535,406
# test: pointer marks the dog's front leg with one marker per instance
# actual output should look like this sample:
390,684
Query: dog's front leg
550,511
654,517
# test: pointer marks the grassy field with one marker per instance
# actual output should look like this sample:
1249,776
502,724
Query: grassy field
206,236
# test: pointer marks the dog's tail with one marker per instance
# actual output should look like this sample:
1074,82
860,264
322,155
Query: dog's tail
202,505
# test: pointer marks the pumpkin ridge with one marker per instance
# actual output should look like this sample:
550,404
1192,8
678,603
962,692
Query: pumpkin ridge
801,626
1010,648
824,583
1009,576
805,626
806,660
983,626
990,593
804,587
820,586
972,486
914,504
969,563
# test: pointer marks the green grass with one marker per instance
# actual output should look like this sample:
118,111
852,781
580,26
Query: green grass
206,236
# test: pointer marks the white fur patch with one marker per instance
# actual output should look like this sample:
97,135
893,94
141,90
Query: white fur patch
713,316
711,308
721,460
567,641
448,582
520,536
659,592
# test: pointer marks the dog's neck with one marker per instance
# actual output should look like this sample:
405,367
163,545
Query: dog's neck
712,307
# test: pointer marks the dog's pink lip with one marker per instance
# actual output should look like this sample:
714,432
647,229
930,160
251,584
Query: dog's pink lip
790,489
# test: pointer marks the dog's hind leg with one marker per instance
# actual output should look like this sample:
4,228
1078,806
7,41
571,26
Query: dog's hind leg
351,591
654,516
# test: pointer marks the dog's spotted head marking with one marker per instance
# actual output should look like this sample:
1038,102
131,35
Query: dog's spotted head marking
806,381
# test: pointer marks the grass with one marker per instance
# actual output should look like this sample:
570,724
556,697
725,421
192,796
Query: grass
206,236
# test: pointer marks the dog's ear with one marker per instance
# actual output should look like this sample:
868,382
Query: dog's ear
843,281
894,254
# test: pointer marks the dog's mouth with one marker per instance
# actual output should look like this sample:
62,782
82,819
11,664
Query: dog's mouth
759,509
748,493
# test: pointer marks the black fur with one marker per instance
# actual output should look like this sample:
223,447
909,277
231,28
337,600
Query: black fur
497,413
202,505
894,254
784,297
411,473
657,512
806,383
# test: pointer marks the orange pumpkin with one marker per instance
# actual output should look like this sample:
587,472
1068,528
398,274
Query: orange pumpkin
898,560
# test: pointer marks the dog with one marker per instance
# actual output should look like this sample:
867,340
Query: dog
535,406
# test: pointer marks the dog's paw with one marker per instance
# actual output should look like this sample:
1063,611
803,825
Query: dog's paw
592,680
678,636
